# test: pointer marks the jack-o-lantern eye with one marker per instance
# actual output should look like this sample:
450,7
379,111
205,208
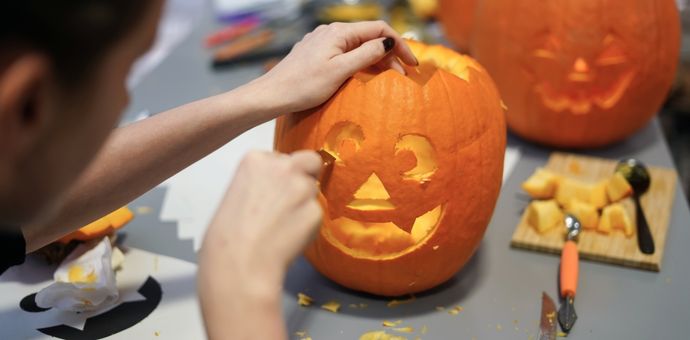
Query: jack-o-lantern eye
613,52
344,140
421,164
548,47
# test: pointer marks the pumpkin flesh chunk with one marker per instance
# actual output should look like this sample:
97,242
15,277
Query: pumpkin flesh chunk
544,215
542,184
618,188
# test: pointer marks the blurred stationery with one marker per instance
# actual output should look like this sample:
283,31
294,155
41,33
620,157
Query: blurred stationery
233,10
232,31
253,39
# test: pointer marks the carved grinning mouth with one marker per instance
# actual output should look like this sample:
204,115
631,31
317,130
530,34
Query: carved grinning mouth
582,101
381,239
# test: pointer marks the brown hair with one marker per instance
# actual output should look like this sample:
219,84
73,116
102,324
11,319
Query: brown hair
74,33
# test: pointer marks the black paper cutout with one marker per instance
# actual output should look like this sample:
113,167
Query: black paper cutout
28,304
111,322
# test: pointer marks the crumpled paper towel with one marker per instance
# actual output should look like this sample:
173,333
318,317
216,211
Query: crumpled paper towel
84,281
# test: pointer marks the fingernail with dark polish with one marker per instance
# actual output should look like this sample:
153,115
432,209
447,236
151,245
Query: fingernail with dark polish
388,44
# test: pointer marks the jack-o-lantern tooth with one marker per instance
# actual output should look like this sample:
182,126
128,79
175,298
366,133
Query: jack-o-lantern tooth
404,223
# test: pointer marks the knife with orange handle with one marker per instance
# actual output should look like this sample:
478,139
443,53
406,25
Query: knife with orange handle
569,272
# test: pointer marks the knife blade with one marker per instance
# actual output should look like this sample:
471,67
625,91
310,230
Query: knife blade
547,323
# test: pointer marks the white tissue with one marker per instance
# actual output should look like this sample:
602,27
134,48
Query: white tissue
84,281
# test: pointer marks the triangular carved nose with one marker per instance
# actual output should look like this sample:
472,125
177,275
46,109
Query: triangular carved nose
372,189
371,195
580,72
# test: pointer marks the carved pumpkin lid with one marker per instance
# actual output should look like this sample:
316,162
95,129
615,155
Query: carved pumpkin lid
432,60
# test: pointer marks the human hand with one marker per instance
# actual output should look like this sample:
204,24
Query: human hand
319,64
268,215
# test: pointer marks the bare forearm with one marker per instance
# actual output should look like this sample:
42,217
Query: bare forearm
233,307
140,156
236,317
240,296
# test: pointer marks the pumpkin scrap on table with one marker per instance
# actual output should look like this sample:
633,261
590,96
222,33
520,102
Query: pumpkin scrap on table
331,306
380,335
304,300
396,302
406,329
578,73
418,162
455,310
387,323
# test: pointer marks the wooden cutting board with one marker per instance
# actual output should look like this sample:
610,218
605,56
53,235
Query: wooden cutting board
614,248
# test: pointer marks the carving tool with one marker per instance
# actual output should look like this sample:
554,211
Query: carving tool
569,273
547,323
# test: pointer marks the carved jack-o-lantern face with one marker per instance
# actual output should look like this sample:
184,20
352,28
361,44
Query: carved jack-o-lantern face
579,73
582,74
416,172
370,210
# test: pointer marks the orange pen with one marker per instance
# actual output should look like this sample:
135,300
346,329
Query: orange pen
244,45
569,272
231,32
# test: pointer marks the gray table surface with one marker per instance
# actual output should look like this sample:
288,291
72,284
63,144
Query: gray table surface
499,289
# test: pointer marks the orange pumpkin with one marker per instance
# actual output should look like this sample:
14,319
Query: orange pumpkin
457,18
579,73
417,171
104,226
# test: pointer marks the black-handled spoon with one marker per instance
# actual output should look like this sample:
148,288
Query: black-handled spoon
636,173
